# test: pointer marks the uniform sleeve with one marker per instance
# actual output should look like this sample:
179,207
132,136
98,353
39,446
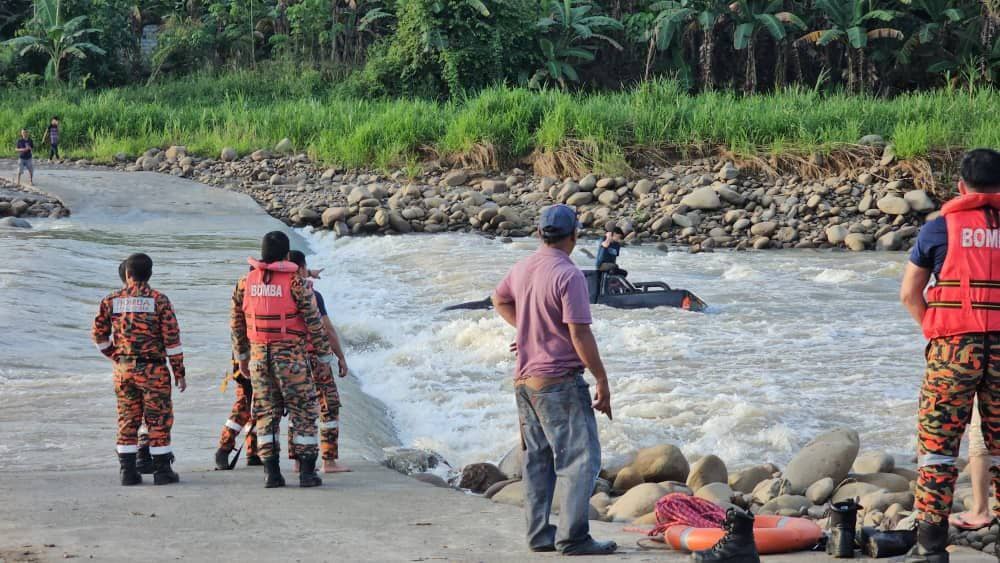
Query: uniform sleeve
931,245
101,331
320,303
576,300
171,333
310,313
238,323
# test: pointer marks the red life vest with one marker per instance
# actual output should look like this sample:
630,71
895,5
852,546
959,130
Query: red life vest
966,296
270,310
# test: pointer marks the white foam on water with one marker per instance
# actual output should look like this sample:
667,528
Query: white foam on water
742,272
832,276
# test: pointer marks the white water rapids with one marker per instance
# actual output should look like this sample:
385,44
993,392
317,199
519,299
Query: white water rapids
795,342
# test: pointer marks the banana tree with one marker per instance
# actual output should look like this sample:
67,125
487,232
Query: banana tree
48,34
570,35
850,24
936,18
671,18
709,15
752,17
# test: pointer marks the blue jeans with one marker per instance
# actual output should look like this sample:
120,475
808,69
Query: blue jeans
559,432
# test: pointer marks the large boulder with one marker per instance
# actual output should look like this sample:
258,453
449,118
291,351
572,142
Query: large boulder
14,223
661,463
881,500
332,215
512,463
820,491
497,487
709,469
769,489
284,146
797,504
764,229
718,493
512,494
455,178
919,201
637,501
702,198
478,477
627,478
888,481
600,503
228,154
874,462
829,455
580,198
745,480
175,153
893,205
854,490
836,234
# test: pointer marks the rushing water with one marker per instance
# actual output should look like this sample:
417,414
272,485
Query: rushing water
794,343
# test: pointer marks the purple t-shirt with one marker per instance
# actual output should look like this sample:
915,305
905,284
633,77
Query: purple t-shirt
549,292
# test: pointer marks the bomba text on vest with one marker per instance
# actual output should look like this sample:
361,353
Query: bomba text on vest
265,290
979,238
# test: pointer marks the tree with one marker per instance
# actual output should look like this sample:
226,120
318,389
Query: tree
670,20
46,33
848,25
755,16
571,35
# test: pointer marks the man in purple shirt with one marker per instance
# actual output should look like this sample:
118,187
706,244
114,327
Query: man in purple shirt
545,298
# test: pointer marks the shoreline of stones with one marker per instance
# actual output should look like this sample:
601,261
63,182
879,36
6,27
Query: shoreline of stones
18,203
703,204
830,468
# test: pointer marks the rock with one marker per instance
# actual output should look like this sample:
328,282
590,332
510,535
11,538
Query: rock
639,500
121,157
15,223
919,201
866,202
866,179
681,220
19,207
606,184
175,152
889,241
382,220
512,463
588,183
599,503
796,504
328,174
308,216
455,178
398,223
341,229
893,205
874,462
787,234
497,487
872,141
643,187
828,455
745,480
608,198
661,225
709,469
909,474
332,215
888,481
856,241
645,520
881,501
626,479
836,234
284,146
512,494
494,187
764,229
769,489
581,198
661,463
729,172
412,460
276,180
853,490
718,493
431,479
761,243
478,477
888,155
260,155
358,194
702,198
820,491
675,487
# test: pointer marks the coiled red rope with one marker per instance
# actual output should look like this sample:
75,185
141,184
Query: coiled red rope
679,509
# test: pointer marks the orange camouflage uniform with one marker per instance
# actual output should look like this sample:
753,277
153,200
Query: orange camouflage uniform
136,327
280,374
240,415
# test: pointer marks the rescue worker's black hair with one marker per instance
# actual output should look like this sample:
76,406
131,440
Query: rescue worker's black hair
298,257
139,267
981,170
121,271
274,247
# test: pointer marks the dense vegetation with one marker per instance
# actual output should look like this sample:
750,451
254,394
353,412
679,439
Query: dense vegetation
447,48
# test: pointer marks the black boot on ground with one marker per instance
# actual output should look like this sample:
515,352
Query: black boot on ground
254,461
307,472
128,472
843,522
932,543
162,473
144,461
737,546
222,459
272,466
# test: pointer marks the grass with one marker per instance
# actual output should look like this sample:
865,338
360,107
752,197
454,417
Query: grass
501,125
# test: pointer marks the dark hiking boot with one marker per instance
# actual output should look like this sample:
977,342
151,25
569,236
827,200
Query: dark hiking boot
592,547
737,546
128,472
307,472
254,461
222,459
162,473
144,461
272,466
843,522
879,545
932,543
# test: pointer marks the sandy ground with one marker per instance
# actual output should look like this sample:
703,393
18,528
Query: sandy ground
372,514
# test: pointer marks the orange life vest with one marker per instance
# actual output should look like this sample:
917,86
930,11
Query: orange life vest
270,310
966,296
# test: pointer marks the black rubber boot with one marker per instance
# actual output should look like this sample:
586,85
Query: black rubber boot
879,545
843,521
144,461
222,459
128,472
737,546
932,541
272,466
307,472
254,461
162,473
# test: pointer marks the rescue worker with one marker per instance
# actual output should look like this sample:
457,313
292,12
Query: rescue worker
273,316
326,387
960,316
239,417
143,461
136,328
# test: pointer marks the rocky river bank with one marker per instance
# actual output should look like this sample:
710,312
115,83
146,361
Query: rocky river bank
831,468
17,203
703,204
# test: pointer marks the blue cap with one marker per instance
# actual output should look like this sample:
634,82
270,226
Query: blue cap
558,220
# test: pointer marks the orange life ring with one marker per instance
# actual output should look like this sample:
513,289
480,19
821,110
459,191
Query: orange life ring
772,534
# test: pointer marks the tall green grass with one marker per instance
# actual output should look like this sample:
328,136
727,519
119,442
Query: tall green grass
248,110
